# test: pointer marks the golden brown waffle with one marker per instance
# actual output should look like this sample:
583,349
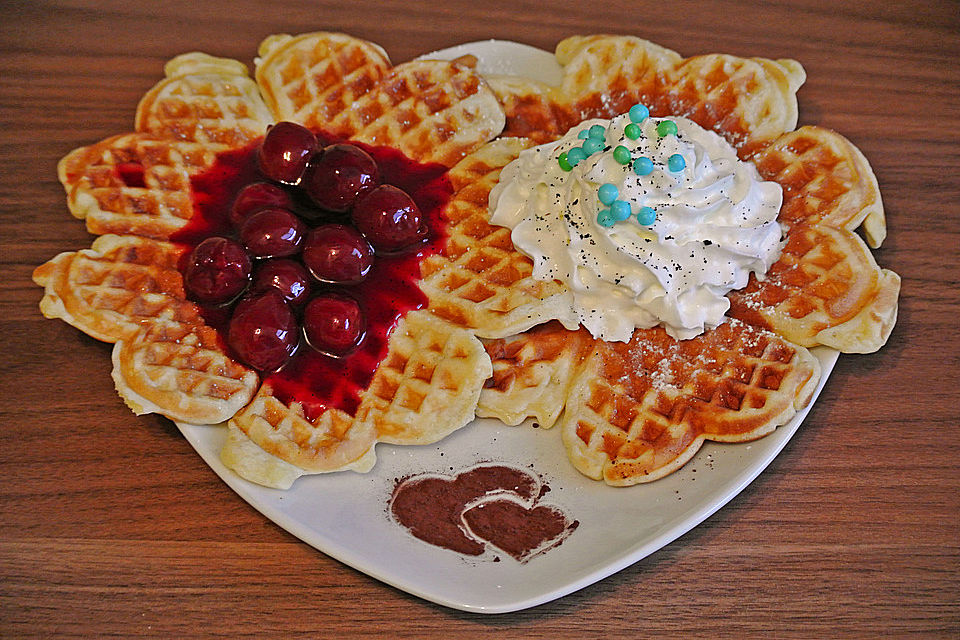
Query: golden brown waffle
426,387
178,367
748,101
109,290
532,373
638,411
826,181
826,287
135,183
480,280
204,99
312,78
635,412
431,110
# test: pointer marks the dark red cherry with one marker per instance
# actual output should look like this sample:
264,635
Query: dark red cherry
388,218
289,277
272,233
338,175
217,270
338,254
334,324
258,196
263,332
285,151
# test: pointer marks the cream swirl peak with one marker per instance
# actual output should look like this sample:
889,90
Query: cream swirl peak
647,221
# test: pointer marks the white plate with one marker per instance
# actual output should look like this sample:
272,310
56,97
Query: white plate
345,515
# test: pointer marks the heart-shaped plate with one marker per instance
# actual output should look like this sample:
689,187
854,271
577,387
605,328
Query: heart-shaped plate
347,515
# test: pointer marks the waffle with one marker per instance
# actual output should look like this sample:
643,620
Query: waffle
178,367
748,101
135,191
480,280
638,411
206,100
109,290
426,387
430,110
826,288
532,373
134,183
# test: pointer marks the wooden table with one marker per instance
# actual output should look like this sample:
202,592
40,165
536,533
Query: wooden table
111,526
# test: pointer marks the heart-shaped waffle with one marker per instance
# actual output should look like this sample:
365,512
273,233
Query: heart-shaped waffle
137,187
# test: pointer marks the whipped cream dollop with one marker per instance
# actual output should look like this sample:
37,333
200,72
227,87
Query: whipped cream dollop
713,222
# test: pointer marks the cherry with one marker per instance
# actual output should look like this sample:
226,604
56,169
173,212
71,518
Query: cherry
217,270
263,331
289,277
338,175
258,196
285,151
272,233
334,324
337,254
389,218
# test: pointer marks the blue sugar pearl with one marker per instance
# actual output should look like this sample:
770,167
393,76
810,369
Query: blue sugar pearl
583,134
676,162
620,210
643,166
646,216
608,193
605,218
575,156
598,131
638,113
591,146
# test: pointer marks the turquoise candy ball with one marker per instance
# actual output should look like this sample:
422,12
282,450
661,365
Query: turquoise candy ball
620,210
638,113
575,156
676,162
608,193
646,216
605,218
591,146
643,166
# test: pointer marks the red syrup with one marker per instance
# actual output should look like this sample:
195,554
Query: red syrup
317,381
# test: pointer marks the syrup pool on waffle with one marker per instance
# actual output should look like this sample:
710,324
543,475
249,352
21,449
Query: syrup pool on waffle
305,253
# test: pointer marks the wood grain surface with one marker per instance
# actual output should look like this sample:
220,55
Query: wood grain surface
111,526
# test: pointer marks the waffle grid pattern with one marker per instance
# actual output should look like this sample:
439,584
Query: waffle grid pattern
640,411
311,79
206,100
481,281
181,367
134,184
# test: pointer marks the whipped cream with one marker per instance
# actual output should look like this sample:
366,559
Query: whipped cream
715,224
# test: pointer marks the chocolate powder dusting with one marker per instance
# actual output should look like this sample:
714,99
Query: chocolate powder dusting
485,505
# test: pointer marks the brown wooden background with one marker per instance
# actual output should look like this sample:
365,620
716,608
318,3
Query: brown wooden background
110,525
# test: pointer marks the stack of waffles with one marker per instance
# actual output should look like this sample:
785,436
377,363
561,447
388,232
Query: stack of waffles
486,343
